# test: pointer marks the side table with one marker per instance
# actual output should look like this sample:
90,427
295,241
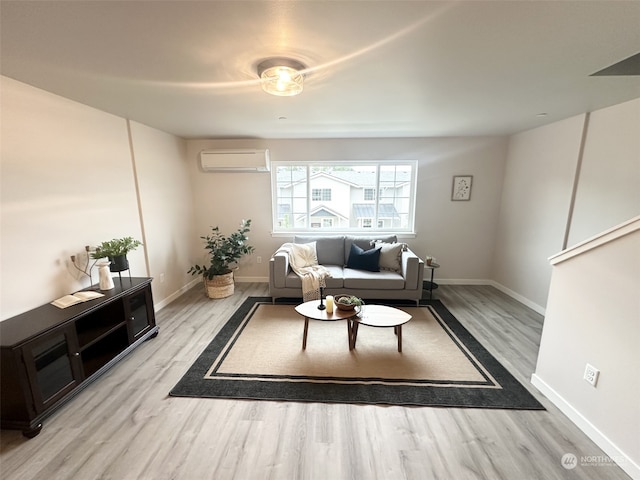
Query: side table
378,316
309,310
432,285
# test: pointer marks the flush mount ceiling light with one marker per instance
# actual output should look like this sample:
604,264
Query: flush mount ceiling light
281,76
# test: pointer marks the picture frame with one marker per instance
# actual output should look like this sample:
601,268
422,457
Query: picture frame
461,189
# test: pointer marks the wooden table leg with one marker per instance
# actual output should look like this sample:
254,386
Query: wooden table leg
354,334
399,332
304,335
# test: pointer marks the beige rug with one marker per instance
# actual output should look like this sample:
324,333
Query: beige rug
270,344
258,355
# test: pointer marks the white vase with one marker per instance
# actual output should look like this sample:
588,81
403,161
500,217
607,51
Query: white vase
106,281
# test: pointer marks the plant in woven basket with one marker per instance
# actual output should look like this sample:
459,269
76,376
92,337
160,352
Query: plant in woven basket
224,251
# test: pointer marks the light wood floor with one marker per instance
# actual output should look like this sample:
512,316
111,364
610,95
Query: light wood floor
125,426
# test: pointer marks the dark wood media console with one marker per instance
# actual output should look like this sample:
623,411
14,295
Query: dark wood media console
48,355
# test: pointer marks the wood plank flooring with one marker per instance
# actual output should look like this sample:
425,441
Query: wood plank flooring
125,426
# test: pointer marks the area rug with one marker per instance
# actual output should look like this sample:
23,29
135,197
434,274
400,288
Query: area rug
258,355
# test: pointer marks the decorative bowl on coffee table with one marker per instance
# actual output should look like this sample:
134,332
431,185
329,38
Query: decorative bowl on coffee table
347,302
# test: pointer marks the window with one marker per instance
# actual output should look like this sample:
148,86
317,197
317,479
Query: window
321,194
369,194
343,196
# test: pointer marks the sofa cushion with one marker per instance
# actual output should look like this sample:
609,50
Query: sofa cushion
390,255
364,259
365,243
329,250
304,254
364,280
334,281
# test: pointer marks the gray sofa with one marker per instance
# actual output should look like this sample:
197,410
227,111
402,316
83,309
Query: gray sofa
400,276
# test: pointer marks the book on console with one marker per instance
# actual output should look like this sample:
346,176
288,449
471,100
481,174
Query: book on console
75,298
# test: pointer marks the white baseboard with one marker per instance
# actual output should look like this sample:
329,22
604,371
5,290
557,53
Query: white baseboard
612,451
481,281
175,295
533,306
443,281
461,281
251,279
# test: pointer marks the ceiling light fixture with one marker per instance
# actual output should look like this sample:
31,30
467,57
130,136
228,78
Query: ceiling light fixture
281,76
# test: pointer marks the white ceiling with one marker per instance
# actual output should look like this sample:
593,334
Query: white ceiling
376,68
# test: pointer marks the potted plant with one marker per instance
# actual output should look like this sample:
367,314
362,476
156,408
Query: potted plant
116,250
348,302
224,251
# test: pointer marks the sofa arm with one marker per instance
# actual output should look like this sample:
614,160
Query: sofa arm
278,269
412,270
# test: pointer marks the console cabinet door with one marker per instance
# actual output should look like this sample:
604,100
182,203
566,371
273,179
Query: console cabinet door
140,315
53,366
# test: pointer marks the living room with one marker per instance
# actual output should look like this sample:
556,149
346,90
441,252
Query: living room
76,175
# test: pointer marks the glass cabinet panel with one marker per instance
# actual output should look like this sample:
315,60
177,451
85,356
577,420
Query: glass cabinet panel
139,317
54,373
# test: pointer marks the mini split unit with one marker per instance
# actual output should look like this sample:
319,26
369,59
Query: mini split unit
240,160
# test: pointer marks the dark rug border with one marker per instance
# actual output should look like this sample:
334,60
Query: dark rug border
512,395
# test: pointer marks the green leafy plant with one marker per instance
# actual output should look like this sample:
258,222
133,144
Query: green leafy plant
349,300
224,251
115,248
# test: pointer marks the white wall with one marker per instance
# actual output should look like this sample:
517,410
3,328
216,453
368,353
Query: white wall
67,180
166,203
593,316
540,176
63,161
461,235
608,192
536,199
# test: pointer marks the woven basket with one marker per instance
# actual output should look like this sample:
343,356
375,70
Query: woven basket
345,308
220,286
341,306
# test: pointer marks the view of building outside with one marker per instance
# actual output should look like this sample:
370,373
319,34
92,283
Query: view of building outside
341,196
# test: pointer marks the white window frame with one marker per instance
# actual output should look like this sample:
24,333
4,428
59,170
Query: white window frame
409,229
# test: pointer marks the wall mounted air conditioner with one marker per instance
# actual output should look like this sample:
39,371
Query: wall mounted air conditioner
235,160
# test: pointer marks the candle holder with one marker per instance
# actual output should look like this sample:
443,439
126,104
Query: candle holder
88,266
321,306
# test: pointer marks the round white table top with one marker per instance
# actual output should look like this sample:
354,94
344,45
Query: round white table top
382,316
310,310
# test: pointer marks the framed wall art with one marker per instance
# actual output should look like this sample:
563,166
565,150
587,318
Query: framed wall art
461,189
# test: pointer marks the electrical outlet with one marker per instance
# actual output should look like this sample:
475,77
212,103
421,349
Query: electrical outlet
591,374
259,259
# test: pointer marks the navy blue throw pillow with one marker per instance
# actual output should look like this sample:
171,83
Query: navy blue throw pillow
364,259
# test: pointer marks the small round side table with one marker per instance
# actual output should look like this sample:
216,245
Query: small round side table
432,285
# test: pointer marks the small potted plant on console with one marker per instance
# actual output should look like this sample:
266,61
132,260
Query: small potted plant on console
116,250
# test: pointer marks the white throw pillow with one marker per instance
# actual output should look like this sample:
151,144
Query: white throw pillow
390,255
304,254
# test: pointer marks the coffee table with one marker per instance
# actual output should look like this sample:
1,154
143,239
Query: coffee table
378,316
309,310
